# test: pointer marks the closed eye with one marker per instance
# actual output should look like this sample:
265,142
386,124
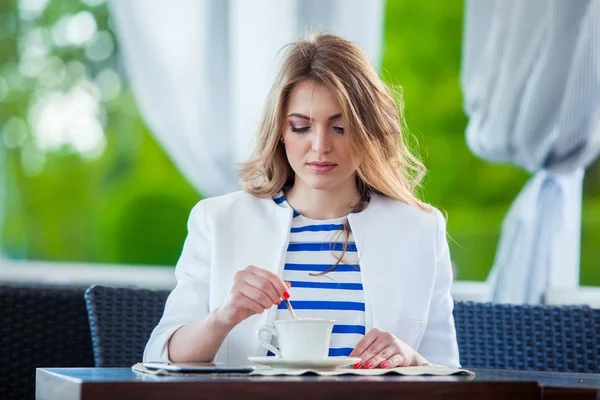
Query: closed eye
302,129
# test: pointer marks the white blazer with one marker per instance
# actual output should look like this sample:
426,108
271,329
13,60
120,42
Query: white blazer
403,254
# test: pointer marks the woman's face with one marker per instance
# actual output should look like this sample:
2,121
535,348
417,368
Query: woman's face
313,134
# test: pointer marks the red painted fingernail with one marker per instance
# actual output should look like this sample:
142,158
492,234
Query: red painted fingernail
286,295
358,364
278,302
369,364
384,365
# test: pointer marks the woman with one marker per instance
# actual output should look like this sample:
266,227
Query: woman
329,218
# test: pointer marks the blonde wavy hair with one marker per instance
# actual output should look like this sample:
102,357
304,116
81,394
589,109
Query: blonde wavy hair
373,122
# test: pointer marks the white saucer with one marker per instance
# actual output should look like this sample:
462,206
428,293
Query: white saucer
327,363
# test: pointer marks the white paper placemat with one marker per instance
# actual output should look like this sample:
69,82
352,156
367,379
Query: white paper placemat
407,371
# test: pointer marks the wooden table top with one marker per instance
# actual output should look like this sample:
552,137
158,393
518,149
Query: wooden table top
123,383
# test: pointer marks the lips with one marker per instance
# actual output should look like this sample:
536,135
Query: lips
321,166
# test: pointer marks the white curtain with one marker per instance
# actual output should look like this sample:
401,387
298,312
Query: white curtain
200,70
531,83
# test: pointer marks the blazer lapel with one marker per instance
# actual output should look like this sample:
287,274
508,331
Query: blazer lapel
381,239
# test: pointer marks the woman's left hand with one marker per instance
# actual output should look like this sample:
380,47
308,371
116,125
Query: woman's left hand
384,350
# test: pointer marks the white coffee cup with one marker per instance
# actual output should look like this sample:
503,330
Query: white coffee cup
301,339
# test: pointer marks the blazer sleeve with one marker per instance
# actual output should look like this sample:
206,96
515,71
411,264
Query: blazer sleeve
189,300
439,344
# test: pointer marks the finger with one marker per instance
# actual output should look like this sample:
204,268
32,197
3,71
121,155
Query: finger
244,302
277,282
264,285
396,360
381,356
257,295
369,356
363,344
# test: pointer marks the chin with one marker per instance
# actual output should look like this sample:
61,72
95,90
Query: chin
322,183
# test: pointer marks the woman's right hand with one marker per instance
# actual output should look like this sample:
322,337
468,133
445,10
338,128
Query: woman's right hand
253,291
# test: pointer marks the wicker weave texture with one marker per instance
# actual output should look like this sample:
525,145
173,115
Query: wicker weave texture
524,337
541,337
40,326
121,321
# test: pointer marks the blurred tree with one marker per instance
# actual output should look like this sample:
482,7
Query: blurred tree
66,204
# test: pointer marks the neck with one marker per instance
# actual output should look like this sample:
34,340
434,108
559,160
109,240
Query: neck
323,203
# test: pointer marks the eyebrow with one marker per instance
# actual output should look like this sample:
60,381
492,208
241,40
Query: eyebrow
336,116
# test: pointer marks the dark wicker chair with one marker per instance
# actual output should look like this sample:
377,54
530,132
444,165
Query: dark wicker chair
121,321
544,338
523,337
40,326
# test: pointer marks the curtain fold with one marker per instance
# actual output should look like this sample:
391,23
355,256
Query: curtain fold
531,82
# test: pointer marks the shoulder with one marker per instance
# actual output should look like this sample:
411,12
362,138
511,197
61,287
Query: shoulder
399,215
230,204
228,200
387,207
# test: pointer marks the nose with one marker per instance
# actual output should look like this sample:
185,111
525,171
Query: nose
321,144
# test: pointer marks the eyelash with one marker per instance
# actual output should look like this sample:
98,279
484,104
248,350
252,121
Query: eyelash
304,129
300,130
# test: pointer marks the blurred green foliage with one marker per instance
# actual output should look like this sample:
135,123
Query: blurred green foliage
130,205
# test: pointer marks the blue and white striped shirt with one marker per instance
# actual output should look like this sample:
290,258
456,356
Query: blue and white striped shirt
315,246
